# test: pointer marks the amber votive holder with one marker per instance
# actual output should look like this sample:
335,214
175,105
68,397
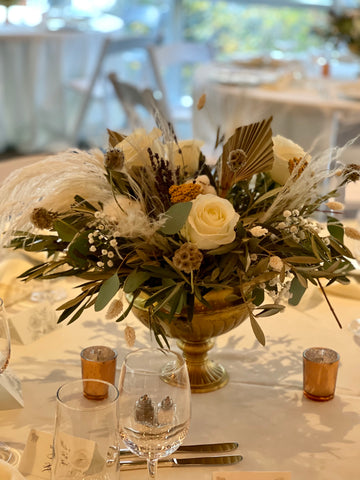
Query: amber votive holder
320,367
98,362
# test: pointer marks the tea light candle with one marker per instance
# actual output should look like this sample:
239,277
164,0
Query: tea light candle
98,362
320,367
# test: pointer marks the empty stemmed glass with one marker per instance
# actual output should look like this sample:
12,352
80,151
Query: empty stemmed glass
154,404
5,450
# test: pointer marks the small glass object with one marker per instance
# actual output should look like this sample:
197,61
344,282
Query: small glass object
320,367
355,327
86,437
154,404
98,362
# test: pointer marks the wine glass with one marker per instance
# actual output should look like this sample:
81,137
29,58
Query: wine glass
155,404
5,451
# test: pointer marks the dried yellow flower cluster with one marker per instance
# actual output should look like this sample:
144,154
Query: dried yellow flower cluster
294,162
188,257
184,193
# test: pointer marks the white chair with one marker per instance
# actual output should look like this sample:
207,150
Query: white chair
140,106
173,65
94,87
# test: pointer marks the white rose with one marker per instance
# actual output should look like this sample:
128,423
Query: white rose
188,159
211,222
135,146
284,150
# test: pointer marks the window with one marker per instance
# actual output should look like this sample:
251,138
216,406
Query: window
238,27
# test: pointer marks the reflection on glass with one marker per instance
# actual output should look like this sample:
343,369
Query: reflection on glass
154,404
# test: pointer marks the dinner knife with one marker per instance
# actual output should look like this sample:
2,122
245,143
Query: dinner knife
180,462
201,448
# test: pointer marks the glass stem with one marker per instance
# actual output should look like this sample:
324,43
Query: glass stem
152,468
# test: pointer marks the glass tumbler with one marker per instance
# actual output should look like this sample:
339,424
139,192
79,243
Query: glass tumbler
86,437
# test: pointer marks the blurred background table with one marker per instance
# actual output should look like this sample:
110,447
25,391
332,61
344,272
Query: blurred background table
313,111
37,107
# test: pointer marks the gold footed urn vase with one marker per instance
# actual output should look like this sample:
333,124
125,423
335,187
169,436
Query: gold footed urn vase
196,338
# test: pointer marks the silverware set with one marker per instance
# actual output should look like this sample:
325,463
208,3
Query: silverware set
213,451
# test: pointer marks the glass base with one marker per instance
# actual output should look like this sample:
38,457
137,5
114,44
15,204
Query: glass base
318,399
8,454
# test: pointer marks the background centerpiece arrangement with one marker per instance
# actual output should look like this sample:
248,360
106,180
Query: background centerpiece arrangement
343,28
196,248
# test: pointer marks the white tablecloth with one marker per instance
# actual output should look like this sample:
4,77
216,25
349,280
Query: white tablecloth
312,112
262,407
36,65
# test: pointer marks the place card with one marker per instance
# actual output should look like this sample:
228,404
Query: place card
37,455
30,320
10,391
36,459
252,476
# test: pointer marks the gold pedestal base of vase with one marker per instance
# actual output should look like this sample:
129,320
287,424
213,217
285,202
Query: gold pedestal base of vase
195,338
205,374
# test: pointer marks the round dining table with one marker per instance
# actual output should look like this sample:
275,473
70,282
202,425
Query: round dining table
262,407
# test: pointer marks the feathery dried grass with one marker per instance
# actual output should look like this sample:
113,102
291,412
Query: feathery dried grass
51,183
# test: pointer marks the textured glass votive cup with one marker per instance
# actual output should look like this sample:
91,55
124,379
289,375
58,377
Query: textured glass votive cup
98,362
320,367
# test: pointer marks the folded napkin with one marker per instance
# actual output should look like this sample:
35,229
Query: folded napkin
12,289
8,472
251,476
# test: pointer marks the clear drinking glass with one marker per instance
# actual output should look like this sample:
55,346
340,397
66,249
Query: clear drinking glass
5,348
86,437
154,404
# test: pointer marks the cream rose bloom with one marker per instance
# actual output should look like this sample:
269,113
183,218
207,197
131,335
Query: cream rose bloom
135,146
188,159
211,222
284,150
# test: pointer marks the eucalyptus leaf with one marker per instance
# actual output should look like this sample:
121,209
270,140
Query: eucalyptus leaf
127,311
167,301
270,309
78,250
302,259
134,280
259,334
65,231
297,290
107,291
335,228
258,296
215,273
176,217
158,296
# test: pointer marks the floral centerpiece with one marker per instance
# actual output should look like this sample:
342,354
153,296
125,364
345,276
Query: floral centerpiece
151,218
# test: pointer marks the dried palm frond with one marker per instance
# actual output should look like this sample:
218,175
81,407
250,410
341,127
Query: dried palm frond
247,152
